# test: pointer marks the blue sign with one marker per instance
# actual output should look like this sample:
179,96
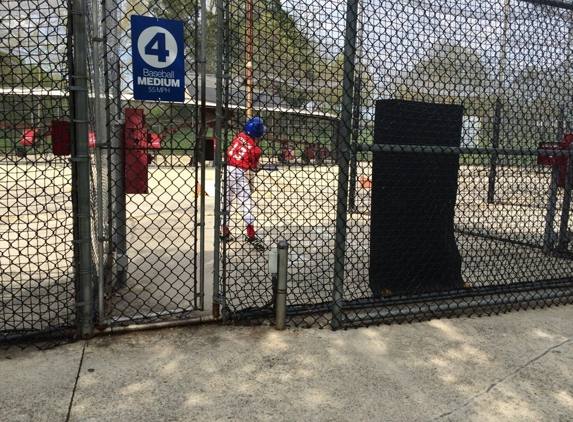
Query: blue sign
158,60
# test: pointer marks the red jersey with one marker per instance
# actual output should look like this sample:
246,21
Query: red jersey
244,152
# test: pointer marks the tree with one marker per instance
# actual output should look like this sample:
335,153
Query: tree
541,109
132,7
536,83
282,55
449,72
14,72
286,59
190,14
11,70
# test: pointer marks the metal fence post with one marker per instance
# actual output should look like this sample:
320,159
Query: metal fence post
498,107
280,308
564,240
81,172
345,135
549,234
220,114
115,122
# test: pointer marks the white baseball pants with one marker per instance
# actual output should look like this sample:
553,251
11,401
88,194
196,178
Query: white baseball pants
237,187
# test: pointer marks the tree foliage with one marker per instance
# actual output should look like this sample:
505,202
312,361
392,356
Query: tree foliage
14,72
448,71
285,60
190,13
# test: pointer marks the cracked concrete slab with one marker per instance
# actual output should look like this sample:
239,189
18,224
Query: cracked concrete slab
512,367
37,385
539,390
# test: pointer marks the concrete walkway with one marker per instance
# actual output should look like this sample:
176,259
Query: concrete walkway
512,367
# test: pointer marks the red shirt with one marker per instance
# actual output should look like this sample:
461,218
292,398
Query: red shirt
244,152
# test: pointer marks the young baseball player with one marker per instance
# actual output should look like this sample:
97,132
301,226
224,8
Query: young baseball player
243,155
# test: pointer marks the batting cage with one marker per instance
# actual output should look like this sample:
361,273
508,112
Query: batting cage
441,185
324,164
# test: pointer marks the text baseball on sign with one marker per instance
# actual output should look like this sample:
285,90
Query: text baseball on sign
158,61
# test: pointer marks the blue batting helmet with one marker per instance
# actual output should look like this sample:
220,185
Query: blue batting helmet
255,127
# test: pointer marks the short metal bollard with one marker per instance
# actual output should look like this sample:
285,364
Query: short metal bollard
280,307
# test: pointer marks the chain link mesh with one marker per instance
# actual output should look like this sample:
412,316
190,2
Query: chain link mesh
36,252
416,162
147,255
507,64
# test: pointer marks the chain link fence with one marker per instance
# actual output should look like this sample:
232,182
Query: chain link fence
405,219
416,163
36,207
146,163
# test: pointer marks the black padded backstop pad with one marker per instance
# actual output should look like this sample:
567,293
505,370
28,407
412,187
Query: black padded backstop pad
412,243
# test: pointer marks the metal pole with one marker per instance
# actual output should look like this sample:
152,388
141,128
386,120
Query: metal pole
548,237
553,3
450,307
201,138
354,155
563,242
498,107
153,325
280,308
108,118
118,196
560,123
356,116
81,163
249,64
344,139
99,176
493,159
439,149
222,12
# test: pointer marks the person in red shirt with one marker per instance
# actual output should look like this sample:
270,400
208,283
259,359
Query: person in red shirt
243,155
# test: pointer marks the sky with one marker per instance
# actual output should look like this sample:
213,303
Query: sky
32,29
398,34
395,35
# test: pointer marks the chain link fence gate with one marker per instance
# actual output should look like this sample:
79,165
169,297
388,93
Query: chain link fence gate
141,264
418,154
149,164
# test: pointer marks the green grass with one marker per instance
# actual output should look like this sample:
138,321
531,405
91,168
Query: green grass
7,145
9,140
484,160
181,142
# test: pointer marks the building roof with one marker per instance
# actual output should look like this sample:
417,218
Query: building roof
261,101
237,96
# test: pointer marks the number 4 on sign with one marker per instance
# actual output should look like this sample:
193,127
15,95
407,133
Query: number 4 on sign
157,47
